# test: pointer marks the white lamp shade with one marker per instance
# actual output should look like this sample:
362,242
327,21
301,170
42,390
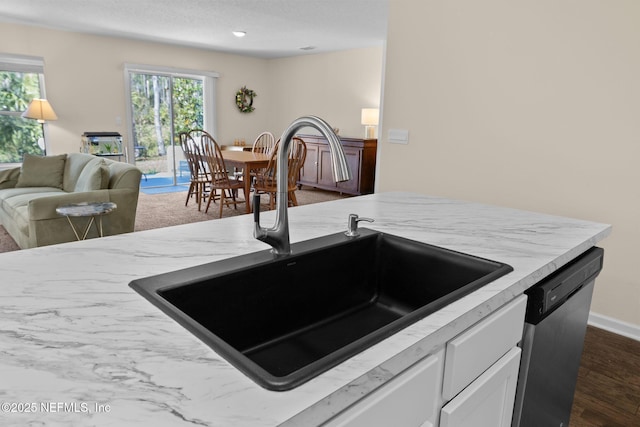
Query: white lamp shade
40,110
370,116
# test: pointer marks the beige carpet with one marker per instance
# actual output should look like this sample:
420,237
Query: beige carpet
164,210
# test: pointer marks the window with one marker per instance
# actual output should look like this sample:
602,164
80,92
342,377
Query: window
21,80
162,103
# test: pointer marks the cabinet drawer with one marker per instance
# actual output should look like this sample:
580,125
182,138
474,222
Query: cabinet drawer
474,351
488,401
410,399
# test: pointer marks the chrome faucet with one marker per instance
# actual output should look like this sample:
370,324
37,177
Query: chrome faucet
278,235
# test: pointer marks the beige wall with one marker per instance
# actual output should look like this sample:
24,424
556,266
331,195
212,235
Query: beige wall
532,105
84,78
334,86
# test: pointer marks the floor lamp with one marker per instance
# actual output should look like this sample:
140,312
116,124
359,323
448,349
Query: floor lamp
40,110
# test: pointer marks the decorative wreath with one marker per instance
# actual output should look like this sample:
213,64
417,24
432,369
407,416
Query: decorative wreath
244,99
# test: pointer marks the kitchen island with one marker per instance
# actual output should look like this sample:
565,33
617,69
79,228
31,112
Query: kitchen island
79,347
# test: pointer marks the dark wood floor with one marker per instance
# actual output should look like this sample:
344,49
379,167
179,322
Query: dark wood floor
608,388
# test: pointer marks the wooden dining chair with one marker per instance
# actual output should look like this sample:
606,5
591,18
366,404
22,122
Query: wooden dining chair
264,143
266,180
221,179
199,185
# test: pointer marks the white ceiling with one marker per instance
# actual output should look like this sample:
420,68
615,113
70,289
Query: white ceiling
275,28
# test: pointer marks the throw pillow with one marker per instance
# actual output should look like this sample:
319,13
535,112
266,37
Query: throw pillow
9,177
94,176
42,171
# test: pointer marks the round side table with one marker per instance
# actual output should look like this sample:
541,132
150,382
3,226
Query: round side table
87,210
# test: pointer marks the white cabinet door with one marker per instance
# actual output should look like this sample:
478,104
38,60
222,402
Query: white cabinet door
488,401
474,351
412,399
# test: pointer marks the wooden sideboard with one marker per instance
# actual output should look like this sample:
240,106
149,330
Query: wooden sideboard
361,157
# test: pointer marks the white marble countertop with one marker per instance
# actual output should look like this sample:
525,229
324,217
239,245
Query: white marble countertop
79,347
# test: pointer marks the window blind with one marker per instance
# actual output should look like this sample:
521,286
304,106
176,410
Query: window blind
21,63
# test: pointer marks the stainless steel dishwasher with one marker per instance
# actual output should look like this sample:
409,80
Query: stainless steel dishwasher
552,343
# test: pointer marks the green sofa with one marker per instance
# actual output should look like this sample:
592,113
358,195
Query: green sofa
30,194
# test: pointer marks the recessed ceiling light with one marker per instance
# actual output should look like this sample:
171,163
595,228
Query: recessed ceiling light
239,33
308,48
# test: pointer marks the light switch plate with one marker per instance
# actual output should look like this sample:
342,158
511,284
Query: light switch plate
398,136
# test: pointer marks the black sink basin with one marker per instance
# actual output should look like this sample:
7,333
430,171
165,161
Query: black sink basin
282,321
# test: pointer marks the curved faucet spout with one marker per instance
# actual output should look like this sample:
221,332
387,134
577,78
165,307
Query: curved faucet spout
278,235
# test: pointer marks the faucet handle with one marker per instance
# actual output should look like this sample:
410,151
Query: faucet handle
352,224
256,208
258,232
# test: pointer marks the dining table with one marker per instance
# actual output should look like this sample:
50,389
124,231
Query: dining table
247,161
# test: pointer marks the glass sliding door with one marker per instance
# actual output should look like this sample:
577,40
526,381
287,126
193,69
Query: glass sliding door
163,104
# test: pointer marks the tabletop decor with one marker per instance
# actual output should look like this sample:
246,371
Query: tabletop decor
244,99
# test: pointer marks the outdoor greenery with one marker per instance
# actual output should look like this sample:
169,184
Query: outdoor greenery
18,135
152,106
152,109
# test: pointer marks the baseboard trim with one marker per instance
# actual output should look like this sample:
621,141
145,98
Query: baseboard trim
616,326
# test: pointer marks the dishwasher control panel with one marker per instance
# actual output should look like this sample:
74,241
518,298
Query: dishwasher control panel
559,286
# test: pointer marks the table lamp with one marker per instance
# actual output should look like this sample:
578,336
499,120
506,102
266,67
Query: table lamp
370,120
40,110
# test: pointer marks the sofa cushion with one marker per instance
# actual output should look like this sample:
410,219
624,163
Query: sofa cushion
94,176
17,206
42,171
6,194
13,200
